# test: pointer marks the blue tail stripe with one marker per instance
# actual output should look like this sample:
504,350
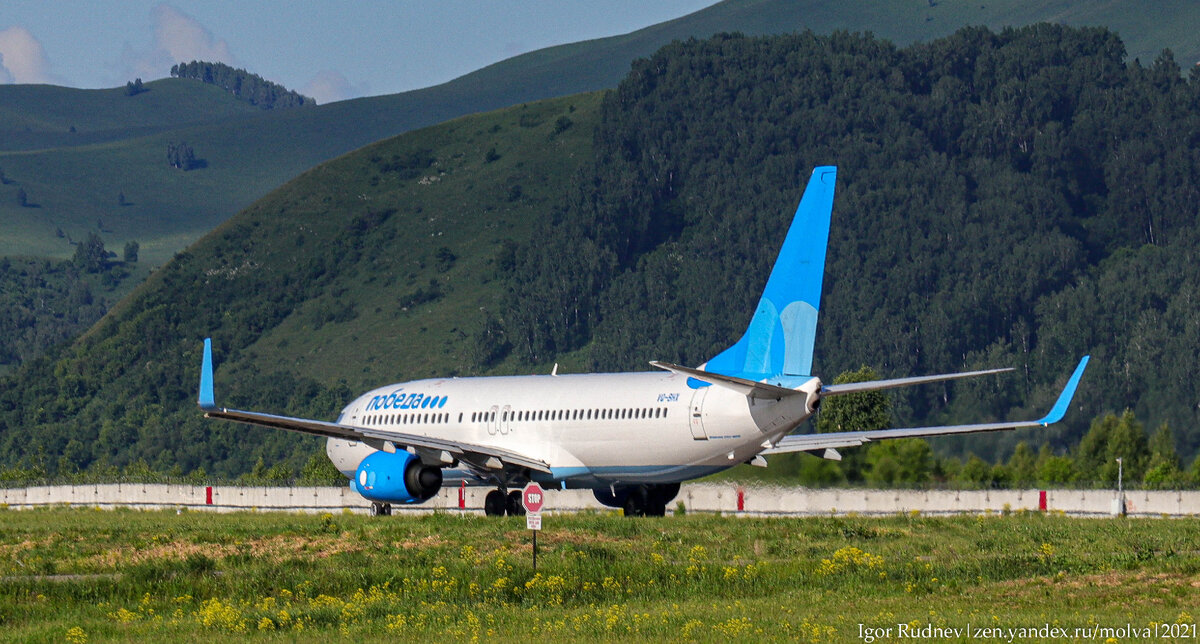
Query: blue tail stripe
780,337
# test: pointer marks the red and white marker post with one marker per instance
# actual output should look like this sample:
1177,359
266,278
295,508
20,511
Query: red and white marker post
533,497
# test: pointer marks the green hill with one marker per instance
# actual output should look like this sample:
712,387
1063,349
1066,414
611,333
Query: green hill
383,264
1044,210
36,117
120,142
76,162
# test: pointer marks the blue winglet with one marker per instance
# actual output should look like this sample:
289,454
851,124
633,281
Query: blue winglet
206,400
1064,399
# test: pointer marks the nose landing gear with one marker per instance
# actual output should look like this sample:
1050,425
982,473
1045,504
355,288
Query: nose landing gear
381,509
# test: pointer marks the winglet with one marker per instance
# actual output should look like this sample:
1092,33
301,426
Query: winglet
1064,399
206,400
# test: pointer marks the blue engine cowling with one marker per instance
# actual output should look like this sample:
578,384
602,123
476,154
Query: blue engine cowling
396,478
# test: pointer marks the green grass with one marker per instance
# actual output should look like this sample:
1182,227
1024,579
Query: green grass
164,576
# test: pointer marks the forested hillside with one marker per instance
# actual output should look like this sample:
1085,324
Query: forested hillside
252,88
383,265
163,162
1016,198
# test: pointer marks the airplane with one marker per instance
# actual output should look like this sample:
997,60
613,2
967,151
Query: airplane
631,438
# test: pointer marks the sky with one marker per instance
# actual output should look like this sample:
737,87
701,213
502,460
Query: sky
328,50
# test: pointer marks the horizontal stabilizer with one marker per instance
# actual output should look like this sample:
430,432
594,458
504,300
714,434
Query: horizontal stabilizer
873,385
740,385
811,442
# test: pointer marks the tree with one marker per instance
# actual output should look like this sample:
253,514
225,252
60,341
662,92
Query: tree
319,470
445,259
90,255
1053,470
1128,443
488,343
1092,451
134,87
181,156
1022,465
260,474
251,88
131,251
864,411
905,461
1163,470
975,472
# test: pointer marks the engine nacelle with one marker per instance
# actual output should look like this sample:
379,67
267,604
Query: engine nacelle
396,478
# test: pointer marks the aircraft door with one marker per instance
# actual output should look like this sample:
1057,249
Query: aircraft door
696,414
493,422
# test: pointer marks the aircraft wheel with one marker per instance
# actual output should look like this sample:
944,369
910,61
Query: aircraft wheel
381,509
633,506
494,503
515,507
656,508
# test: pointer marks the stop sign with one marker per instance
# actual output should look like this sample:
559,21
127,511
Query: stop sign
533,498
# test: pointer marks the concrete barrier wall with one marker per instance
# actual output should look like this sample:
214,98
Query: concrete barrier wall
707,497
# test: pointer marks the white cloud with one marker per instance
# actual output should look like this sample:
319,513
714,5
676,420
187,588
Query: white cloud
178,38
329,86
23,59
6,77
184,39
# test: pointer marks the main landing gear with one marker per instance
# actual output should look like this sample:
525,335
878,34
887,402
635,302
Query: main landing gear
649,500
497,503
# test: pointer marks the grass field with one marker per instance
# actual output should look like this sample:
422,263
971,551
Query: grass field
89,575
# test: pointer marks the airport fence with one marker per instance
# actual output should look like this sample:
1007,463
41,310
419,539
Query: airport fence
724,498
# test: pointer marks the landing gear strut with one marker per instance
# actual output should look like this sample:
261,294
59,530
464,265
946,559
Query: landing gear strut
381,509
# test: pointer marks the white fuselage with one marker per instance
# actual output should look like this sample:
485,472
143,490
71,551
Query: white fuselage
592,429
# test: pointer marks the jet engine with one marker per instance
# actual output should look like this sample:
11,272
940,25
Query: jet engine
396,478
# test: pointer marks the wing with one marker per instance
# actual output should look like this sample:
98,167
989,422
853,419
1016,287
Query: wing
483,459
827,444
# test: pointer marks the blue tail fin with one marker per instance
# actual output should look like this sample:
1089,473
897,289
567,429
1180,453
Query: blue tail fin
779,341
